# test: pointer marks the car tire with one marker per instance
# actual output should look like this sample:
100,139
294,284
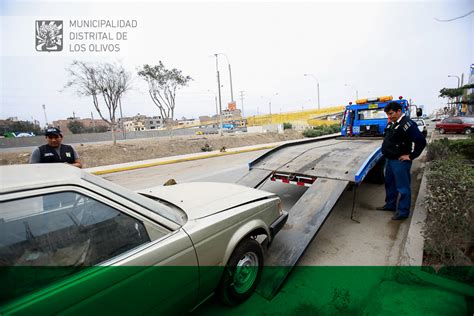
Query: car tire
442,131
242,273
467,131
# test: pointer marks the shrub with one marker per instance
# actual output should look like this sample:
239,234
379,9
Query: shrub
444,148
76,127
321,130
449,228
206,147
287,125
312,132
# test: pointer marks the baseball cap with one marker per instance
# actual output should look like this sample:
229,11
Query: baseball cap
53,131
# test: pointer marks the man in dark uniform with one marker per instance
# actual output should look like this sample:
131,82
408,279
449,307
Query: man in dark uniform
400,133
54,151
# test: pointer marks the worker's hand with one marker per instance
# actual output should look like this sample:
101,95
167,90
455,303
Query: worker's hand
404,157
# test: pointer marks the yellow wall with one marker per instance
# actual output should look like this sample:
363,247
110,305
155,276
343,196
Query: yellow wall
299,117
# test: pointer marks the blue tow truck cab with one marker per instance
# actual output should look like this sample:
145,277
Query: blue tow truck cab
367,117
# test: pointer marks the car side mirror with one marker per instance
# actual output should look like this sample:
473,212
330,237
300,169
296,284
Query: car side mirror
419,112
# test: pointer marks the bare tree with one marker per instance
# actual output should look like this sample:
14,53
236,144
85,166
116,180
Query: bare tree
162,86
109,81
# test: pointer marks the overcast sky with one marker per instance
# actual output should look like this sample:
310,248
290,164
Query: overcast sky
377,48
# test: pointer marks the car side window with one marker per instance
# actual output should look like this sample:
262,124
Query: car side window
65,229
68,230
457,121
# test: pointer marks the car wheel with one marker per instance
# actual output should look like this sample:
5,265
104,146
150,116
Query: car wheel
242,273
442,131
467,131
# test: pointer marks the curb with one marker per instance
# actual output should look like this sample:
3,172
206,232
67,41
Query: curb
195,156
412,252
166,161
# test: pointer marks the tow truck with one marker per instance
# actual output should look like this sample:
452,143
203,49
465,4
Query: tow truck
327,165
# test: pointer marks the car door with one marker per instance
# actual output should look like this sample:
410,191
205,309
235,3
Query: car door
71,250
447,124
457,125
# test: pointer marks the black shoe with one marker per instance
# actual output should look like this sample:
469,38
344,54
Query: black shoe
398,217
383,208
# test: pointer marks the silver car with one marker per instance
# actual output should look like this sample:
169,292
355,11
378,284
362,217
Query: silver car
75,243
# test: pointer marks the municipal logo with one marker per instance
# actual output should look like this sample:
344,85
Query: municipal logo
49,36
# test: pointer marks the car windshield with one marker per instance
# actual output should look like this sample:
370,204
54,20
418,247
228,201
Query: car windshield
371,114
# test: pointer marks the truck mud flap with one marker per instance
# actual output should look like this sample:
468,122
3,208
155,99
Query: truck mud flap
254,178
305,219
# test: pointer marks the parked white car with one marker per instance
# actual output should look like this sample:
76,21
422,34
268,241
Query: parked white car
421,126
71,242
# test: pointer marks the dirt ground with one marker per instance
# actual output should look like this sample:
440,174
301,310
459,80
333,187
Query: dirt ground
93,155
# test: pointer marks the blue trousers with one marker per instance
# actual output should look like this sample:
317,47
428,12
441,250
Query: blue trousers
397,183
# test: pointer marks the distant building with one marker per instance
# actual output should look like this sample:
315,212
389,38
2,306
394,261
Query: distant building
134,126
232,114
141,122
154,122
469,108
205,119
87,122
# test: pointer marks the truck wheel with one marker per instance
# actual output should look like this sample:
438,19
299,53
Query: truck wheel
442,131
242,273
467,131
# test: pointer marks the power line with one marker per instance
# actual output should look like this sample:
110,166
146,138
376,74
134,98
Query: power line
457,18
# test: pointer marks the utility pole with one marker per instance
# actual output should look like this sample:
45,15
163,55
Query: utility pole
230,76
219,92
45,117
317,86
242,101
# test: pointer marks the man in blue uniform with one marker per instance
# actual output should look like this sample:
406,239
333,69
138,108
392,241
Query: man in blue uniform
400,134
54,151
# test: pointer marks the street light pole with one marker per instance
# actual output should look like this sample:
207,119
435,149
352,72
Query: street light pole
230,77
317,85
457,77
217,105
219,93
45,117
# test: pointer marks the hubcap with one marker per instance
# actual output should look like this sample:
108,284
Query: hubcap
246,272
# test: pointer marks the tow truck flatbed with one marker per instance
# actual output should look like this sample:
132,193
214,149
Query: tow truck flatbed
326,165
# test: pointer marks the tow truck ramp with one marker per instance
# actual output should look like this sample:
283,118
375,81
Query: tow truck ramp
327,165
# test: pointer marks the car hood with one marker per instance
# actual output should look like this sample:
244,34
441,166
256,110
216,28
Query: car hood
201,199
